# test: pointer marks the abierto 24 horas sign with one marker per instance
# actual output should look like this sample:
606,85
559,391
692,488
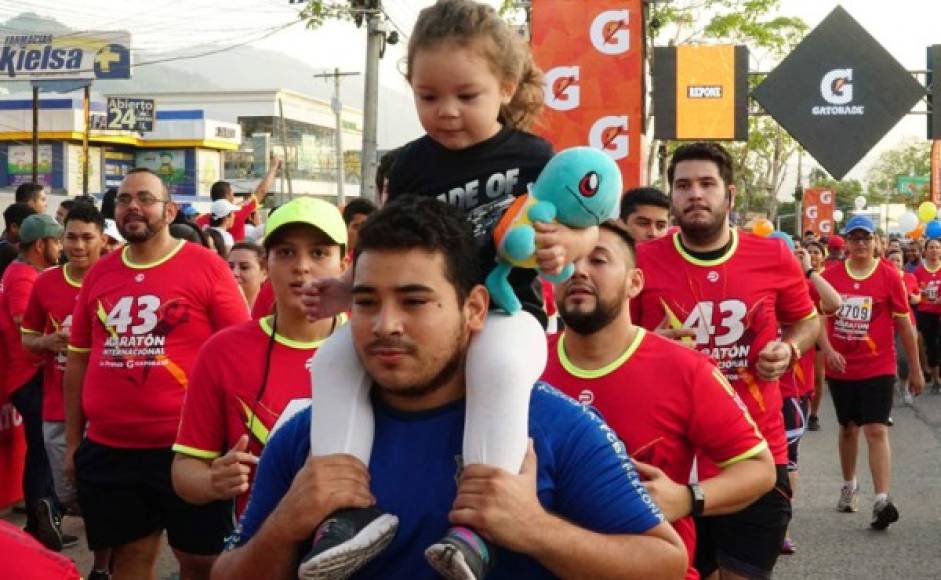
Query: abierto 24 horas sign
79,55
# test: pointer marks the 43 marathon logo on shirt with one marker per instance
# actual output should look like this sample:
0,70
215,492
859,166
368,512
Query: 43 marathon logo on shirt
137,329
722,332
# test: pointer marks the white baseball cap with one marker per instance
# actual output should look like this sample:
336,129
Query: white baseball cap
221,208
111,230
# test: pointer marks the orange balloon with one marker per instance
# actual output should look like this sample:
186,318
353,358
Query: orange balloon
917,232
762,227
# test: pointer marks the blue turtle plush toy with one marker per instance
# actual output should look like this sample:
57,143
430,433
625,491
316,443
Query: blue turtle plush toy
579,188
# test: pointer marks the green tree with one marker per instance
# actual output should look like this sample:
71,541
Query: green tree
911,158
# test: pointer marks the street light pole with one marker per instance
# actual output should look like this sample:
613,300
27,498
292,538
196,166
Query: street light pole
337,106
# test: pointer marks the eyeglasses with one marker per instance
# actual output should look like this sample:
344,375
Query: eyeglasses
859,239
144,199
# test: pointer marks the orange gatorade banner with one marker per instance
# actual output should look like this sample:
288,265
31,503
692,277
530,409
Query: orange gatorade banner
701,92
592,57
818,211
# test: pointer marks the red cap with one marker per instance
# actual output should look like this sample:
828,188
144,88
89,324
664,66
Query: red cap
836,242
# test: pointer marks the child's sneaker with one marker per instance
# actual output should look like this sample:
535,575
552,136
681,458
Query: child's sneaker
346,541
461,555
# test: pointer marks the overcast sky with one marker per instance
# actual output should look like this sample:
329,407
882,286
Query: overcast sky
904,27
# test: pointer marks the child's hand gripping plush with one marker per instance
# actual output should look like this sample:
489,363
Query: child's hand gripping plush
579,188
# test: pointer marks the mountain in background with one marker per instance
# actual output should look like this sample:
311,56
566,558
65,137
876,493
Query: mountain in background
240,68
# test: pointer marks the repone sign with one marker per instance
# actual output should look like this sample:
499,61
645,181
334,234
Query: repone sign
838,93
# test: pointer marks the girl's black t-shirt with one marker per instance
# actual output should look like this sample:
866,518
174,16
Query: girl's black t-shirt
482,181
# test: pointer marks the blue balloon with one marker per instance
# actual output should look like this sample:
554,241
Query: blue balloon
786,238
933,229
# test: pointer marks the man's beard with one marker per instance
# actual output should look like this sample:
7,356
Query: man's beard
588,323
703,231
149,231
451,367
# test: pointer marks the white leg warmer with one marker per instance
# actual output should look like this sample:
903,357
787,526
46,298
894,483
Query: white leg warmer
342,420
503,362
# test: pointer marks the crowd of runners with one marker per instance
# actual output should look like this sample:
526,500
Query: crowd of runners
640,418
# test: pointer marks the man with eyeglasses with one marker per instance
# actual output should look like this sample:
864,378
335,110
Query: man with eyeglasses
139,320
861,363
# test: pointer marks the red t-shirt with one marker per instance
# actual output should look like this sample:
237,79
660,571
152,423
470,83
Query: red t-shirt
735,304
238,227
264,301
24,558
665,402
49,311
863,329
798,380
143,325
912,288
930,283
15,288
222,402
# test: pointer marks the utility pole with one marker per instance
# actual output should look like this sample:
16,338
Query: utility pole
337,106
375,37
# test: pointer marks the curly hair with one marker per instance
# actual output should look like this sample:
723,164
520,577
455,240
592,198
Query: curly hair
472,24
416,222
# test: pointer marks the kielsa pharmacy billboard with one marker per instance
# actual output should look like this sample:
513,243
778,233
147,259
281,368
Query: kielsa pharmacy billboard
80,55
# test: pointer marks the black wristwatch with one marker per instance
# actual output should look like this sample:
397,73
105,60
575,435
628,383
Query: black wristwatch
699,499
809,272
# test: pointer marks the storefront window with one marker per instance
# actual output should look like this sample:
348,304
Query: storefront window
307,149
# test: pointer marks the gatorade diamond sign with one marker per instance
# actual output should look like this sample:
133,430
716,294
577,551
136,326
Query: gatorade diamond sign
838,93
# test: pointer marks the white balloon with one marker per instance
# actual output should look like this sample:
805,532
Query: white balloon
908,221
860,202
838,215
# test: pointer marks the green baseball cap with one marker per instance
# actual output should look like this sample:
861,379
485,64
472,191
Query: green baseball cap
311,211
39,226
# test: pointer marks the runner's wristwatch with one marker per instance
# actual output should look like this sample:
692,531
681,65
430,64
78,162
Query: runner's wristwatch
699,499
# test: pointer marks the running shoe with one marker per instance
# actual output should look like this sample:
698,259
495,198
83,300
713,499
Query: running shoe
908,398
346,541
849,499
813,423
788,547
890,422
48,528
461,555
99,575
884,513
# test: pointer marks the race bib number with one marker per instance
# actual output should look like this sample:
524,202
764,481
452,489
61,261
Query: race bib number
856,309
931,291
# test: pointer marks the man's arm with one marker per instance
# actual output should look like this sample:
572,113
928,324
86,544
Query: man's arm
75,367
40,343
734,489
775,358
322,486
202,480
261,192
505,509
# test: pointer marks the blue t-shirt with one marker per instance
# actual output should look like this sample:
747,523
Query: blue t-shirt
584,476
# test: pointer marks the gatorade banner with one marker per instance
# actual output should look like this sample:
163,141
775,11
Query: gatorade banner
592,57
701,92
12,453
818,211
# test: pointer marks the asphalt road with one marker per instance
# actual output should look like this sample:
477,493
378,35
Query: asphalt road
830,545
838,545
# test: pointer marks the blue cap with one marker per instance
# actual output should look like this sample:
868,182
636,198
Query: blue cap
859,222
188,210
